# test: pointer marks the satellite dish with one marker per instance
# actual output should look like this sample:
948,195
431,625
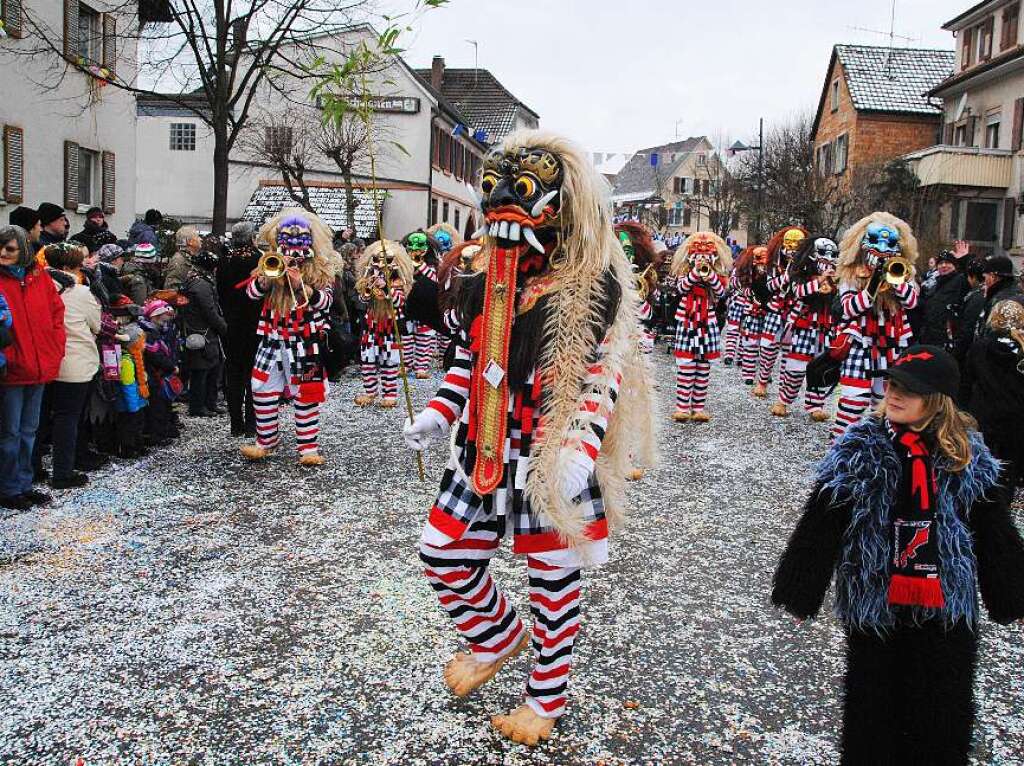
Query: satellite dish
960,107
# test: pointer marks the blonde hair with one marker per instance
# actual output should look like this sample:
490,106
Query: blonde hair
1008,317
950,426
851,257
681,259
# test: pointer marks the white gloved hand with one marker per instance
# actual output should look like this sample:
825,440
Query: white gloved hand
428,426
578,468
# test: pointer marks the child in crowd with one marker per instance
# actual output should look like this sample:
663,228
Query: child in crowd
161,365
133,388
911,513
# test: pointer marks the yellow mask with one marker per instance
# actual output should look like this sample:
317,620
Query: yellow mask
791,240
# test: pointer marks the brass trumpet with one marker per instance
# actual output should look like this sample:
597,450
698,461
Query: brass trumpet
273,266
897,270
704,270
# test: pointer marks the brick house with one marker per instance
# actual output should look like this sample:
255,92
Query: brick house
974,172
874,108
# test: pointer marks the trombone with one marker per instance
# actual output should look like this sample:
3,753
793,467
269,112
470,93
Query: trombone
273,266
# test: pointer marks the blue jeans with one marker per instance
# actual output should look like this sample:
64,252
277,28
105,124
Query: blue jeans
19,419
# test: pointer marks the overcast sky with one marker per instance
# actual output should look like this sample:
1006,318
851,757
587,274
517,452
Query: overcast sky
616,75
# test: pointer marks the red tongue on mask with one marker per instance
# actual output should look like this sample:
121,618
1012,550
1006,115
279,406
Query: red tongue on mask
489,395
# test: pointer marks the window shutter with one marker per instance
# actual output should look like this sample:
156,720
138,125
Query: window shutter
109,42
1009,219
949,134
1017,137
71,30
12,18
109,185
972,127
70,175
14,164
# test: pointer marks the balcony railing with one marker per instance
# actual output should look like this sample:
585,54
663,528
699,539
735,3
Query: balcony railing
962,166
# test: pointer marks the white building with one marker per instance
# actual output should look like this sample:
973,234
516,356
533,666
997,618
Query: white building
425,182
68,136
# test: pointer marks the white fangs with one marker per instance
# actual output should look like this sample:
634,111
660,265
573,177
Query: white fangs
494,229
503,230
480,233
513,232
539,207
532,240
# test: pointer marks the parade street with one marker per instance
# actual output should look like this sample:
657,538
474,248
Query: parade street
192,608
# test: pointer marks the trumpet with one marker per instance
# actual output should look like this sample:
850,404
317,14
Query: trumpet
897,270
704,270
826,284
273,266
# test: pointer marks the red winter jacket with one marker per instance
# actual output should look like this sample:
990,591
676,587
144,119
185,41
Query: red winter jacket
38,331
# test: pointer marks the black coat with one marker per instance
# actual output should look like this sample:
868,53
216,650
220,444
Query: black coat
1005,290
972,307
940,310
203,316
95,237
241,313
994,394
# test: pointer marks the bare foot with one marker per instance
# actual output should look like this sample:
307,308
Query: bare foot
524,726
463,674
779,410
365,400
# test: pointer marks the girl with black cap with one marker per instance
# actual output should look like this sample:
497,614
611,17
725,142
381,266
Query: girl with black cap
912,515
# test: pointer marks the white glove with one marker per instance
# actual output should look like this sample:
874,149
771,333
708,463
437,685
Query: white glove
428,426
578,468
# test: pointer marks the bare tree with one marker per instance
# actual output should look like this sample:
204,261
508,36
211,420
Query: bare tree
213,57
717,196
287,141
346,142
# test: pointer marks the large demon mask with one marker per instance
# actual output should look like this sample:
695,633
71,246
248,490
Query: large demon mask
295,238
520,189
880,241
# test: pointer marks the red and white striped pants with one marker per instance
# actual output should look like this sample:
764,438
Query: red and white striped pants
692,377
484,615
268,390
425,348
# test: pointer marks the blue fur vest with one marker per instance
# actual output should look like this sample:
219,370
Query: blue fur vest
862,470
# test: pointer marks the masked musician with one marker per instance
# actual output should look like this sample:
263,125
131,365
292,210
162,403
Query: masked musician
295,282
751,266
546,378
736,307
700,268
386,275
877,288
812,279
421,343
639,248
772,289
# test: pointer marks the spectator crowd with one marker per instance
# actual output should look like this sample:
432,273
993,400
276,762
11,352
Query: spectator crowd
108,348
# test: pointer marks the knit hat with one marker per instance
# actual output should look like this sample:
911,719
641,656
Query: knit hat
205,260
945,255
110,253
93,211
143,251
48,213
1000,265
925,370
157,308
25,217
153,217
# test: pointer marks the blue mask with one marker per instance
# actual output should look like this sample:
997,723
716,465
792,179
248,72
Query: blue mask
882,240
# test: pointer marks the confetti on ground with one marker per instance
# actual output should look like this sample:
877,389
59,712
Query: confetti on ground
190,608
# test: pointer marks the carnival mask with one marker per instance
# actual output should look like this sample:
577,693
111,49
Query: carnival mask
791,241
627,245
520,191
826,252
880,241
761,256
443,239
382,262
416,245
701,249
295,238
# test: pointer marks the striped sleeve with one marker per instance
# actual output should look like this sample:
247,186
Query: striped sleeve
322,299
779,281
451,397
600,391
802,290
855,302
686,282
717,284
908,294
254,291
397,297
645,312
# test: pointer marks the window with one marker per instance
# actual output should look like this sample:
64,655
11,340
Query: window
980,221
278,140
967,51
90,35
835,95
446,148
992,132
960,135
458,216
10,15
985,32
687,216
444,214
825,159
88,177
702,160
433,210
183,136
1011,22
842,148
676,184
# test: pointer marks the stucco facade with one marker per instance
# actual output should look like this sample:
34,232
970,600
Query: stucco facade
53,110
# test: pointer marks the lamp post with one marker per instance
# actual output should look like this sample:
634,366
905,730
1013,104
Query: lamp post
738,147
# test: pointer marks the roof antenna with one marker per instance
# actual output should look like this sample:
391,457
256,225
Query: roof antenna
476,60
891,34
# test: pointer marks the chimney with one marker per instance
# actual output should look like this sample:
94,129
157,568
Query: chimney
437,73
